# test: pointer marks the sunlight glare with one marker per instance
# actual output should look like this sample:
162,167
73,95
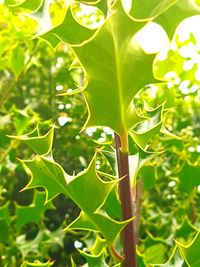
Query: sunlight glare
152,38
127,5
189,25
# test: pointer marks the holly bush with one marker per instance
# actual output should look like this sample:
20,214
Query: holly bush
99,133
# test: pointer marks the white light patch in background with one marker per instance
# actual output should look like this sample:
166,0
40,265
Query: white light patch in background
59,87
90,15
187,26
152,38
198,188
62,120
127,4
78,244
89,131
172,184
61,106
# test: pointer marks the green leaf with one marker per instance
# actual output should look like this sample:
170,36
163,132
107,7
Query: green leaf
95,260
167,13
140,260
184,232
138,160
145,130
100,223
184,255
97,253
180,10
174,261
155,253
98,246
112,204
39,144
28,4
26,246
4,222
190,253
73,264
47,173
155,250
145,9
51,39
23,118
32,213
93,191
189,177
86,189
37,263
69,31
147,173
17,60
114,81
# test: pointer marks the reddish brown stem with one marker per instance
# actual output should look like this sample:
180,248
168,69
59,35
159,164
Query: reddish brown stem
129,238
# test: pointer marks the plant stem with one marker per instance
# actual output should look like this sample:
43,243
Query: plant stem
129,238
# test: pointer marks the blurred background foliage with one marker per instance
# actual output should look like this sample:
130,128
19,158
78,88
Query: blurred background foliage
32,75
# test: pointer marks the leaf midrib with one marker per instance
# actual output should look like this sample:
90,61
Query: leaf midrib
118,78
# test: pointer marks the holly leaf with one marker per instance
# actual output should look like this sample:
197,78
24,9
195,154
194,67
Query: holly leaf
145,9
154,251
28,4
96,257
147,173
174,261
145,130
189,177
73,264
32,213
94,260
99,222
17,61
138,160
167,13
26,246
190,253
37,263
86,189
113,82
184,232
69,31
98,246
40,144
177,12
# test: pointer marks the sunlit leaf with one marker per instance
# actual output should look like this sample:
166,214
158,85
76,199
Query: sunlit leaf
69,31
40,144
145,130
100,223
17,60
174,261
144,9
184,232
113,82
190,253
36,263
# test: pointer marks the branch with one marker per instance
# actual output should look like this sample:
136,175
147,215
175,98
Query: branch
129,238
